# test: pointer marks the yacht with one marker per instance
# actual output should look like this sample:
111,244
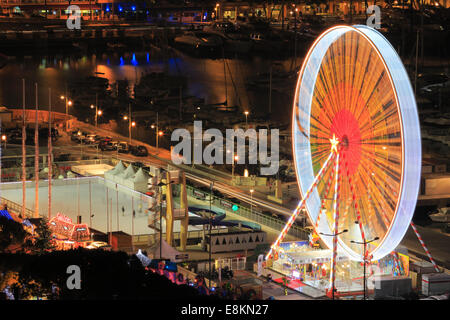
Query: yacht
199,40
234,41
441,215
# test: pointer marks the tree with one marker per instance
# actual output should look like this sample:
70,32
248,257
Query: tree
11,233
104,275
43,237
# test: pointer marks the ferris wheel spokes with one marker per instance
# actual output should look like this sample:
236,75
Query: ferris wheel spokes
300,204
353,194
322,205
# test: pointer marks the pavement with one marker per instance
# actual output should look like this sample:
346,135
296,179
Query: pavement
272,289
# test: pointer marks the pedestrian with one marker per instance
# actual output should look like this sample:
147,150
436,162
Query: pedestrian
180,279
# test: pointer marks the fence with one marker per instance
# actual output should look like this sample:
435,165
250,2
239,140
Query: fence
237,263
14,172
192,234
255,216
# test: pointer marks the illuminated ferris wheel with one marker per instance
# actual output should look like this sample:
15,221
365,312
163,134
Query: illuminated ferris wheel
356,143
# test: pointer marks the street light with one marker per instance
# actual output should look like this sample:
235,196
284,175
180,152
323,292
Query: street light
97,113
67,104
333,269
159,134
364,243
4,140
235,159
246,118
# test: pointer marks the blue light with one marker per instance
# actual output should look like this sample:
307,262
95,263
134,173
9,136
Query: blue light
133,8
148,57
120,9
121,61
107,9
134,62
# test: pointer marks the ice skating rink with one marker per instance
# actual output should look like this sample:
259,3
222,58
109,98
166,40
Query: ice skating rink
104,200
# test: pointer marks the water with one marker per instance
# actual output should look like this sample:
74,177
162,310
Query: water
205,77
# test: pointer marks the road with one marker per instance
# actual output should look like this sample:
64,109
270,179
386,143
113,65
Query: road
199,174
437,243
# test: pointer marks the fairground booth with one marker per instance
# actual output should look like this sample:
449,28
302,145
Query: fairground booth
301,263
68,235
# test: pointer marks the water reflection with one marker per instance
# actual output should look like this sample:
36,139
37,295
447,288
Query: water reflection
215,80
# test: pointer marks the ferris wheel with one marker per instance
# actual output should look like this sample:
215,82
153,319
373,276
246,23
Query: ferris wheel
356,143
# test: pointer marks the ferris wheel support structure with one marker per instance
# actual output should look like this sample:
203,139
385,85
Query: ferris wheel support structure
299,206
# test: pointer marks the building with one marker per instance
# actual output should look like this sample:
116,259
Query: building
234,10
108,10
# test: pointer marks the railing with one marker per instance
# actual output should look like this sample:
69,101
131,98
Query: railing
260,218
16,208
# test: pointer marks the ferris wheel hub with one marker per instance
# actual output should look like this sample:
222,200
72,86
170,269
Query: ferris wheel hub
344,142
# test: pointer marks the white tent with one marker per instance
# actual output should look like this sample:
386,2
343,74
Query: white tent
128,177
127,174
168,252
140,180
119,168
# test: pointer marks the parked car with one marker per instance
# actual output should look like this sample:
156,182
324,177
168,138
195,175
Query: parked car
123,147
139,151
105,139
74,135
141,165
115,143
81,137
91,138
107,146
